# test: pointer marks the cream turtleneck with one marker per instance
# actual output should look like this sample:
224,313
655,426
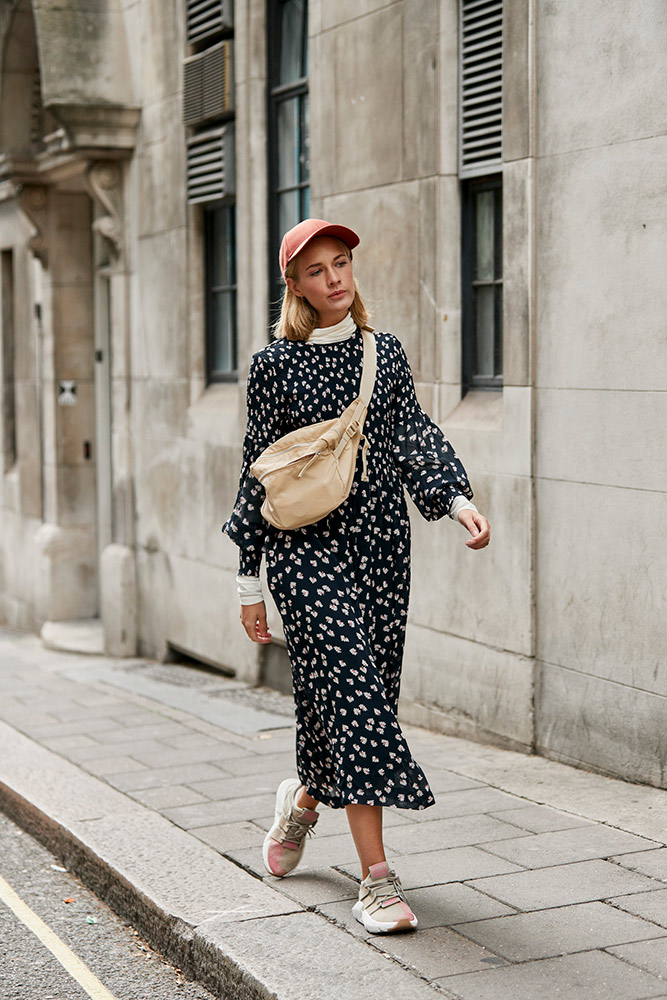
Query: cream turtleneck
333,334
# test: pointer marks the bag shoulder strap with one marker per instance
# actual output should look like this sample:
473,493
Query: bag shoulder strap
369,368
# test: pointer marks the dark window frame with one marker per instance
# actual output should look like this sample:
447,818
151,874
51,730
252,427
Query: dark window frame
471,378
277,93
213,288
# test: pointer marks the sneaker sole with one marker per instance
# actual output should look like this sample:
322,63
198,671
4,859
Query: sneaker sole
283,789
377,928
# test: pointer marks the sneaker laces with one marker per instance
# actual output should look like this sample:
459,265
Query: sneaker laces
387,888
296,830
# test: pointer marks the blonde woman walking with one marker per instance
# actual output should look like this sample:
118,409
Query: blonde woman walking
341,585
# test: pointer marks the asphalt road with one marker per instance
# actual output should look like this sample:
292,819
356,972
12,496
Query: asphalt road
113,957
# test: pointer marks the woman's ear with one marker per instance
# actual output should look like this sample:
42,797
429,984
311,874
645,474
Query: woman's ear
291,284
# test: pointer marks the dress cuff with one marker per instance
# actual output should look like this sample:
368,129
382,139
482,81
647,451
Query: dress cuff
460,503
249,589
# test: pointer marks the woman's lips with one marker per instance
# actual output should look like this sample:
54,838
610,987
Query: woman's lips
335,295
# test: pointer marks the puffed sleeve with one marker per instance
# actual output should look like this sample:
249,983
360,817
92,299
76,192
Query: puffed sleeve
266,418
429,467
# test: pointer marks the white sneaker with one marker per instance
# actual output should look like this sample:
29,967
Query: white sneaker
382,907
285,841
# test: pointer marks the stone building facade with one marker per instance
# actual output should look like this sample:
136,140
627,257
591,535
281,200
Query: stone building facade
517,253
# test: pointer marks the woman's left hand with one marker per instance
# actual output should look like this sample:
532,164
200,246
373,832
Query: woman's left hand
478,526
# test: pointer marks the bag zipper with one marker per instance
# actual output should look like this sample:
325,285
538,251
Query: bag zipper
271,472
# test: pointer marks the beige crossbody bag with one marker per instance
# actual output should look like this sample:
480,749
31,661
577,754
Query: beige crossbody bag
309,472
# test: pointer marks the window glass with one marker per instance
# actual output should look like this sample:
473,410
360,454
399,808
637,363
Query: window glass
288,210
292,48
484,330
484,211
289,144
305,139
481,294
223,321
221,292
289,139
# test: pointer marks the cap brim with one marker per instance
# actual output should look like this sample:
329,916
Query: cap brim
348,236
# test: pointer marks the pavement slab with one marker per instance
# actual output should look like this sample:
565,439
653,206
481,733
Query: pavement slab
456,864
540,819
649,905
589,976
652,863
462,802
132,773
457,831
437,951
561,931
582,882
648,955
564,846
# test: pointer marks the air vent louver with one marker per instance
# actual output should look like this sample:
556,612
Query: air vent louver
207,17
210,165
208,87
481,87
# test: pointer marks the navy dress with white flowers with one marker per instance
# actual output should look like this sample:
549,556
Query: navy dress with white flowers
342,585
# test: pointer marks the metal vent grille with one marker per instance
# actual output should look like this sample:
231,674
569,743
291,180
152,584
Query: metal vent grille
210,165
208,87
207,17
481,87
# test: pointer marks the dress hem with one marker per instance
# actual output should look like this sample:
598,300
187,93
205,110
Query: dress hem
361,800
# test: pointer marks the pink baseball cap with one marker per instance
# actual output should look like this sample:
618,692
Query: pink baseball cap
300,236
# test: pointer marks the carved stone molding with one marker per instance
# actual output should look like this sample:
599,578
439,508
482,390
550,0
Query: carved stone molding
104,183
34,202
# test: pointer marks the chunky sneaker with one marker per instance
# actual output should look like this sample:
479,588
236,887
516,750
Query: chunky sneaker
382,907
285,841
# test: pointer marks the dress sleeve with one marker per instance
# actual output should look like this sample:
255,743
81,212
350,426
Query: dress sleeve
428,465
266,418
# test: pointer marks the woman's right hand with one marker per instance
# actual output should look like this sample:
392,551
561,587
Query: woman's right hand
253,619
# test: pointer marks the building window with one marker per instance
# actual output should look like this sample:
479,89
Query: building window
220,242
482,293
7,341
480,165
289,170
208,112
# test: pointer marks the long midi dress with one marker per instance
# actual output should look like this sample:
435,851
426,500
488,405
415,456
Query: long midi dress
342,585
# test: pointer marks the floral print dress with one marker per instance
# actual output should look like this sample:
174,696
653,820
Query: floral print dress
342,585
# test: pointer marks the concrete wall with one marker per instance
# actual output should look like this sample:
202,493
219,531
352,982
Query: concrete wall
600,376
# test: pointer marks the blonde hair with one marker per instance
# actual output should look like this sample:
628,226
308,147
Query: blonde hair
298,319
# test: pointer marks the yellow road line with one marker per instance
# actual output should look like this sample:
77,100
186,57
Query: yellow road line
73,965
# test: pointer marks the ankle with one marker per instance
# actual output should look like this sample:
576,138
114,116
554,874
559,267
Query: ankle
305,801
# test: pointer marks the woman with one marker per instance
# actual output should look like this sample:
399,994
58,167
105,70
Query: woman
342,585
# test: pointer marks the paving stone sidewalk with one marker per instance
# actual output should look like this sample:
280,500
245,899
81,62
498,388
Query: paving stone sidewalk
530,879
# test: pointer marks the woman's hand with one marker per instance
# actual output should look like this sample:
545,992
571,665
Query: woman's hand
478,526
253,618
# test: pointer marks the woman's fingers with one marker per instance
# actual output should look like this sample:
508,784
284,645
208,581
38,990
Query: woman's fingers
478,526
253,619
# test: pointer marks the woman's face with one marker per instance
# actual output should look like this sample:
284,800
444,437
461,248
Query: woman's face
324,277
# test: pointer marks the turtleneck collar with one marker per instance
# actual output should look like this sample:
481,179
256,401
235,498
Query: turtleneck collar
332,334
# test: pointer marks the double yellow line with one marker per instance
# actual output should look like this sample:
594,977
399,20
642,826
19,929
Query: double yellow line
73,965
